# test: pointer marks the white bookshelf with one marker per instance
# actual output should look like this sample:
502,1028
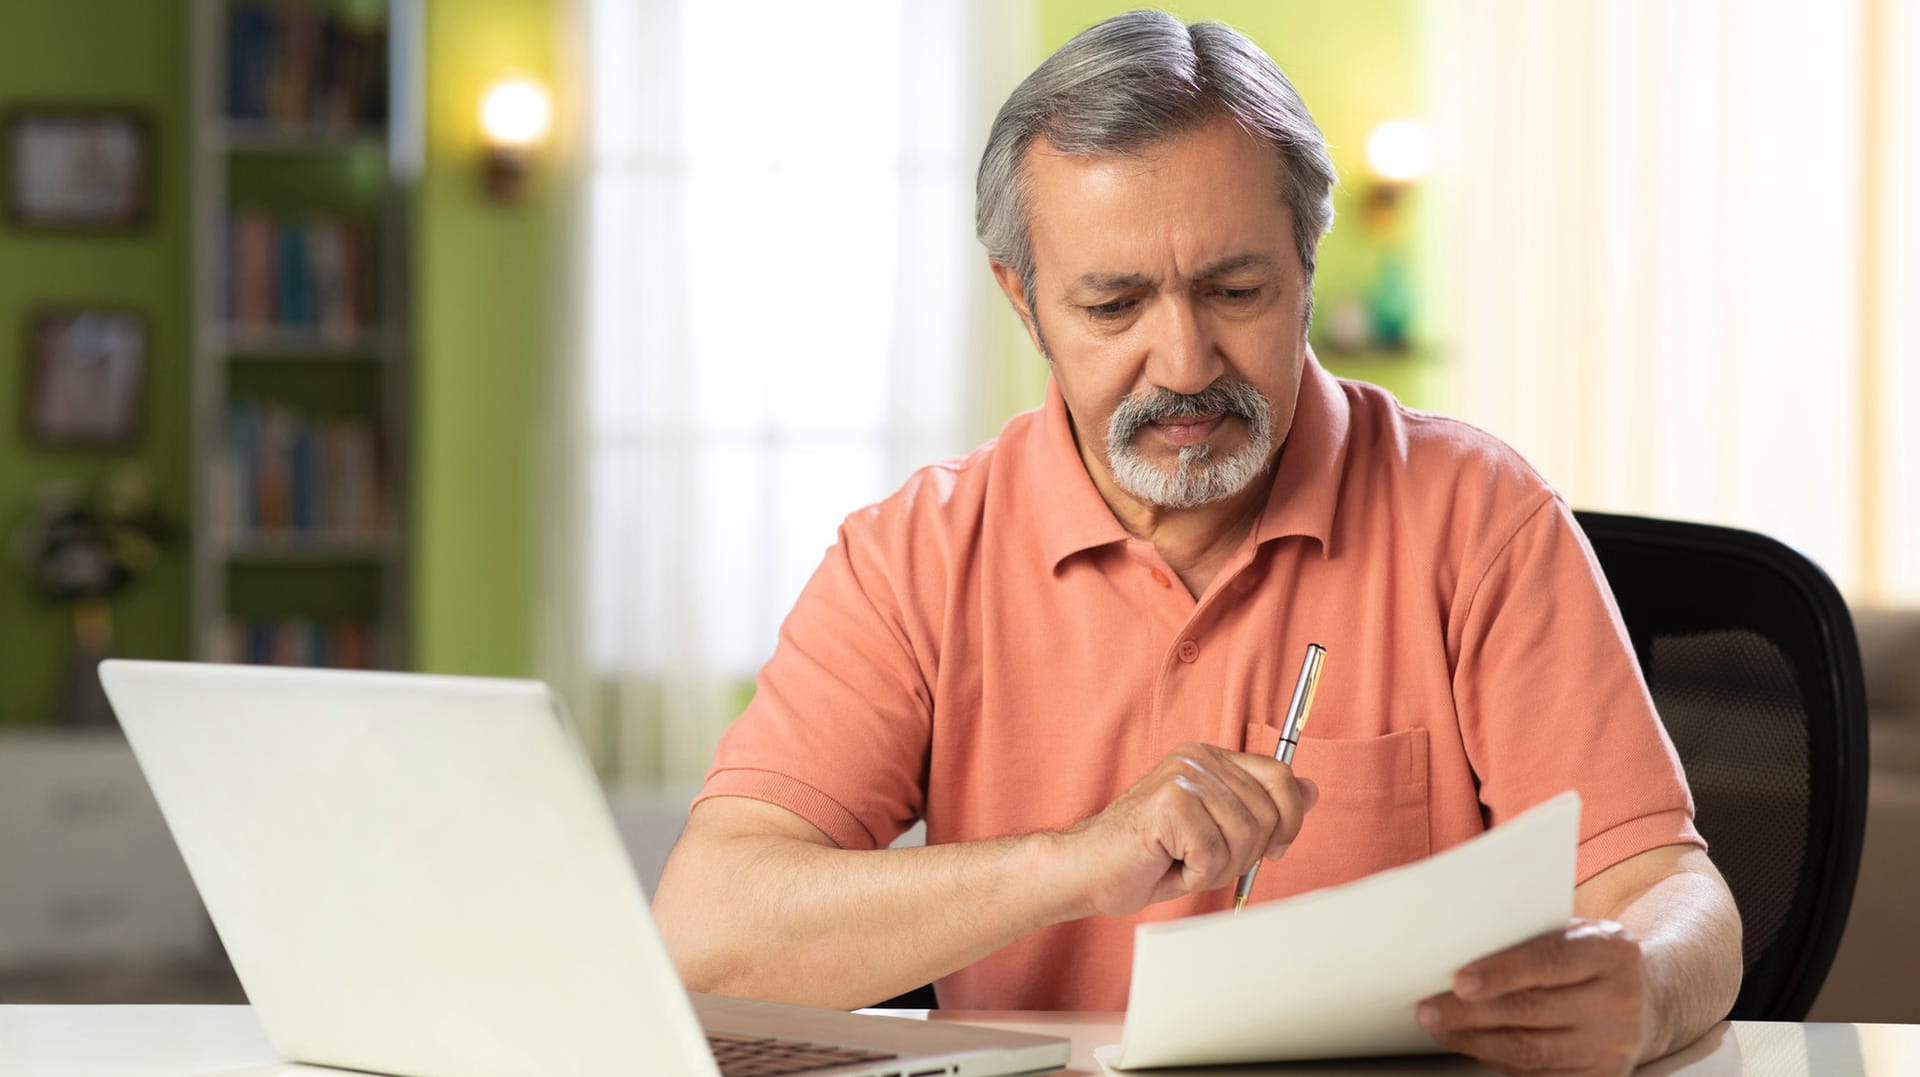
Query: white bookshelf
381,351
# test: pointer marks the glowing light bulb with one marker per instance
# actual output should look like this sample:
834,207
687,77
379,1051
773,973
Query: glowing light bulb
1400,151
515,112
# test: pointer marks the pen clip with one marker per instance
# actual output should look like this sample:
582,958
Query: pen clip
1304,688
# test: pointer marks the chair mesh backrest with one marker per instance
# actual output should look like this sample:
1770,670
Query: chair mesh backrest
1730,703
1750,657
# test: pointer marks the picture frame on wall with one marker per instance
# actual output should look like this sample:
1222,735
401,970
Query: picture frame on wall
78,169
86,377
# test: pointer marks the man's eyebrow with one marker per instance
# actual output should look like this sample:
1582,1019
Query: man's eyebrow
1233,264
1111,282
1116,282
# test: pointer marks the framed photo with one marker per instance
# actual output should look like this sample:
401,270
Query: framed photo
78,169
86,377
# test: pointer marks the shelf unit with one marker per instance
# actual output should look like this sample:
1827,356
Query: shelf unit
249,565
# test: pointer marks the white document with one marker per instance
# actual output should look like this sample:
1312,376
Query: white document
1336,973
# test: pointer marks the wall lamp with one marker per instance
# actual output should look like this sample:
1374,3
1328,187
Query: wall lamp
515,115
1399,153
1379,317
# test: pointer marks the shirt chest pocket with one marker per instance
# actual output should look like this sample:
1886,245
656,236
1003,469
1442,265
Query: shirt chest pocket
1372,813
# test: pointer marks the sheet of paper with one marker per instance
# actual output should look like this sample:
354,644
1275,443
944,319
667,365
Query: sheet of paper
1336,973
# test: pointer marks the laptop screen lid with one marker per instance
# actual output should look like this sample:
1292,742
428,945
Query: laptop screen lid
410,873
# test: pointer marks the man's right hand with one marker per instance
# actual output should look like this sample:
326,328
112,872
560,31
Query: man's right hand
757,902
1196,822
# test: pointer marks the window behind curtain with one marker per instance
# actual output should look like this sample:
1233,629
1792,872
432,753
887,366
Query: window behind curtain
1662,261
780,258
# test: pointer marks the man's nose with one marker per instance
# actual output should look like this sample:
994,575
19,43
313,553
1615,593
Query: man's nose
1183,358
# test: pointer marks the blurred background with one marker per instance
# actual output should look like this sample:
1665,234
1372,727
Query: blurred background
554,338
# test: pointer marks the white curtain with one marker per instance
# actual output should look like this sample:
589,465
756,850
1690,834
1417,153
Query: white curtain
1894,228
1678,275
783,303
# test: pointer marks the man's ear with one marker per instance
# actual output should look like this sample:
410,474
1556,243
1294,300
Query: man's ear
1015,290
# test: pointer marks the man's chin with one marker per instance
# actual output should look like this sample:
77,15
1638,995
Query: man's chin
1168,485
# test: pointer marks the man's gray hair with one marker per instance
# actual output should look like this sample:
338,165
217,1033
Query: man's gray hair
1135,80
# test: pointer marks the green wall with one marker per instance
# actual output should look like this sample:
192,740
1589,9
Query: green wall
121,53
485,313
1356,63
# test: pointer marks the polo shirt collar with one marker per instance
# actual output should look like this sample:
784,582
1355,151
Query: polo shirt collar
1306,487
1071,515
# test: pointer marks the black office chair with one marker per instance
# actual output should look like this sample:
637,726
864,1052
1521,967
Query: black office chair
1750,655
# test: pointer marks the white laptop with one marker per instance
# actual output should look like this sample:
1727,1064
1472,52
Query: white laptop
419,875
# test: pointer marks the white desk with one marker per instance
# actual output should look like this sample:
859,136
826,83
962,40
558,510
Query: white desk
178,1041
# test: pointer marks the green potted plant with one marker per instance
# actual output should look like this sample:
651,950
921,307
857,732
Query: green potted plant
82,547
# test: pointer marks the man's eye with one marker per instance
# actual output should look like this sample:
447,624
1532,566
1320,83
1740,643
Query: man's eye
1239,293
1112,309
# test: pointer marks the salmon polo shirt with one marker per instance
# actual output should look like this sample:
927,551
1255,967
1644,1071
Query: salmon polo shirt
989,650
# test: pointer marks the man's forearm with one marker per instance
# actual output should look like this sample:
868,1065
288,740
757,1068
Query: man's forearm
767,916
758,902
1689,933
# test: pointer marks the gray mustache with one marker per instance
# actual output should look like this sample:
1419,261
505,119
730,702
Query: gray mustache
1234,397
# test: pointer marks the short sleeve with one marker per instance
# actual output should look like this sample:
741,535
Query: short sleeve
1551,698
837,731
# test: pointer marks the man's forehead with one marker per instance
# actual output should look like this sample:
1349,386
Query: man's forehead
1212,194
1048,165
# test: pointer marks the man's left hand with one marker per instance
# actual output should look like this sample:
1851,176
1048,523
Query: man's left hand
1574,1001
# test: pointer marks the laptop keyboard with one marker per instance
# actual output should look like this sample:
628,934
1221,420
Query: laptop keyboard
756,1056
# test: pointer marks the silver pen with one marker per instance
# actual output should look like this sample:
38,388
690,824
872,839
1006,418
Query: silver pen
1296,721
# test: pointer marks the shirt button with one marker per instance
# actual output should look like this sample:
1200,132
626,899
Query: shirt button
1160,578
1188,650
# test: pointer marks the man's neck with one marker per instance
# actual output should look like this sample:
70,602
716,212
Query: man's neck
1194,542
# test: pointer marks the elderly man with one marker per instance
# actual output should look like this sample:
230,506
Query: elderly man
1068,652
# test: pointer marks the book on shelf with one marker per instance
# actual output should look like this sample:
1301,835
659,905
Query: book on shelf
296,478
295,641
299,271
298,67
